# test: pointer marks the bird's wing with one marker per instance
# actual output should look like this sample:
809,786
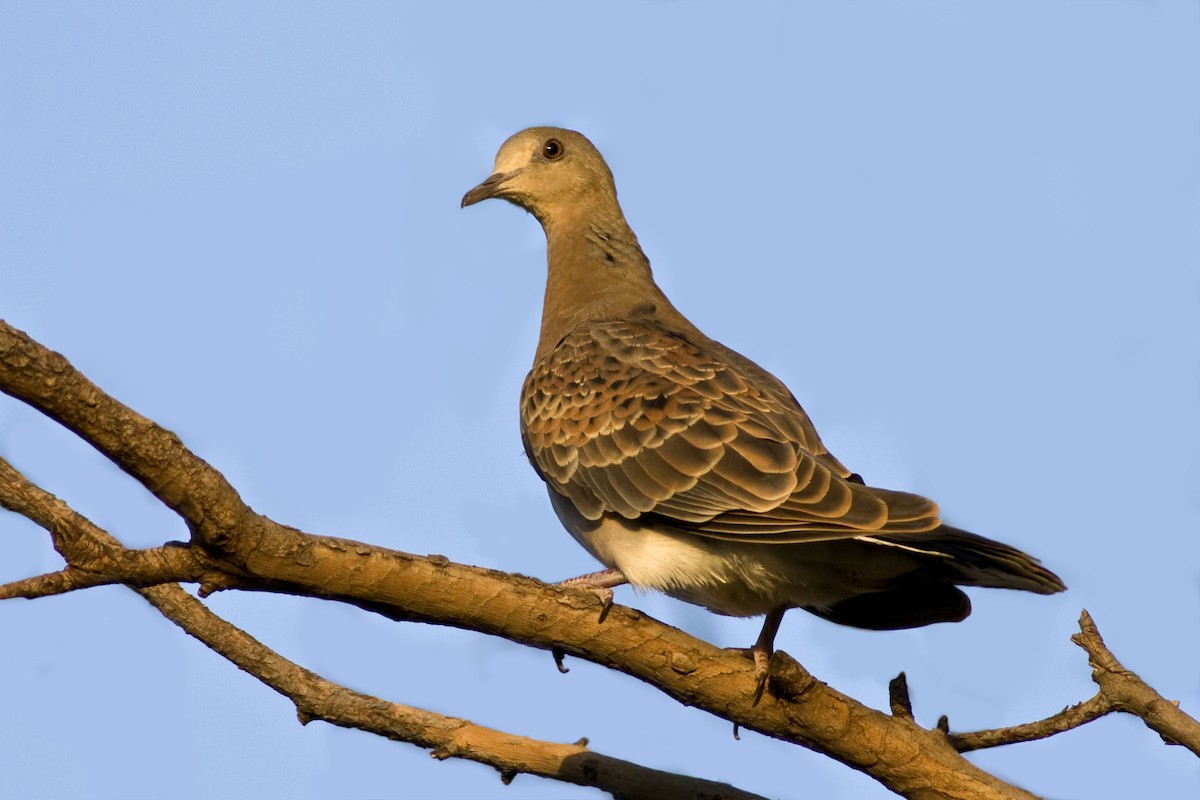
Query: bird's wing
629,418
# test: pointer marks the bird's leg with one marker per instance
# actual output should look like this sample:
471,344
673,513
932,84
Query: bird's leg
601,583
763,647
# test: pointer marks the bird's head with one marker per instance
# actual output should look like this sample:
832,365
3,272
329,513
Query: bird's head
548,172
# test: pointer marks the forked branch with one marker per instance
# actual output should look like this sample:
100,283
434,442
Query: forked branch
94,553
232,547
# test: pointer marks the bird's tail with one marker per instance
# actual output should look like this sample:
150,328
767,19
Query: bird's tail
947,558
968,559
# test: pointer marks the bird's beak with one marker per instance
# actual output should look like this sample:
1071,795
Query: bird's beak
489,188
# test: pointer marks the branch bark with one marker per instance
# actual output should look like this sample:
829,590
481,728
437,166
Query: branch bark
95,554
1070,717
1129,693
1120,690
234,547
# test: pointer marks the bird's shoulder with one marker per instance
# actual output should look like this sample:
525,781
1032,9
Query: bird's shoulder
644,373
632,416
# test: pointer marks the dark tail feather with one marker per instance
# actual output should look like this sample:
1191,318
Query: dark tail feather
945,558
970,560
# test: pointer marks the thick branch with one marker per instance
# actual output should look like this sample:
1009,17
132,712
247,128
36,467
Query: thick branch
911,760
156,457
906,758
250,551
317,698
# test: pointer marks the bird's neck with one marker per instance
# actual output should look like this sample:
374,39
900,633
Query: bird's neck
596,272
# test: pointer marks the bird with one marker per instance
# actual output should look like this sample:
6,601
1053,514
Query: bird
686,468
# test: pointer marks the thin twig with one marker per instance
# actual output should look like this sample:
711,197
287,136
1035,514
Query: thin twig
898,697
1120,690
316,698
1065,720
1131,694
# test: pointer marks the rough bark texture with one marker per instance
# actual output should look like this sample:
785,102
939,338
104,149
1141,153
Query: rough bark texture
233,547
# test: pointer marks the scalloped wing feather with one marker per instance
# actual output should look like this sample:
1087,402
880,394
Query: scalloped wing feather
628,418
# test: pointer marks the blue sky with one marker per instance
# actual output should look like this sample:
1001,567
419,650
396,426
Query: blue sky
964,233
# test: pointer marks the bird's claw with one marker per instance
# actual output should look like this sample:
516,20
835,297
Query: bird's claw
601,585
762,661
606,601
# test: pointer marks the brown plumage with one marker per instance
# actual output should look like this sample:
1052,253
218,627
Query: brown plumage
630,418
684,466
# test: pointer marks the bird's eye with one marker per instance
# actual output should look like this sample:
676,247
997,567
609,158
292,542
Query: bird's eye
552,149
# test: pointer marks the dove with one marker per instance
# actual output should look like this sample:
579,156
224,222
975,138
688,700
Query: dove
686,468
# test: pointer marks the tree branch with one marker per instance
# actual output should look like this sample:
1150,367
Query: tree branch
154,456
233,547
1120,690
317,698
1065,720
1129,693
320,699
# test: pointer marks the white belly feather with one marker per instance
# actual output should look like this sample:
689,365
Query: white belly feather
740,579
